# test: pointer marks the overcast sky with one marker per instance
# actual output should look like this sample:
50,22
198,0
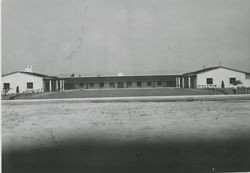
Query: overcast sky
130,36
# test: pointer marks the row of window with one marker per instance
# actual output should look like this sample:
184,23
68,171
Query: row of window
231,80
6,86
128,84
120,84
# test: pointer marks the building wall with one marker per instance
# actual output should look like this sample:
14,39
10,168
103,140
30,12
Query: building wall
86,85
247,80
84,82
20,79
195,82
220,75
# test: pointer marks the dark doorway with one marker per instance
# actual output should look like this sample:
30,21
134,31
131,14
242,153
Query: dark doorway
46,86
101,84
138,84
120,84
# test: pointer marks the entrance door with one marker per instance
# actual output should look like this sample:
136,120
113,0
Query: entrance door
47,86
120,84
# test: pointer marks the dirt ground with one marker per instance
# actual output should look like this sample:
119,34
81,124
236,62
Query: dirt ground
42,124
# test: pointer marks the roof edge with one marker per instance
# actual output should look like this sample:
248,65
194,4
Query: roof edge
29,73
211,68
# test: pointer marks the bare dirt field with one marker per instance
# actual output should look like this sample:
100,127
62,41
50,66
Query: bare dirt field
76,136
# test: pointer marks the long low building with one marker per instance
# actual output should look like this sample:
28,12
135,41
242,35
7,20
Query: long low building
120,82
213,77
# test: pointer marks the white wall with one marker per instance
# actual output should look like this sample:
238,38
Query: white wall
222,74
247,82
21,79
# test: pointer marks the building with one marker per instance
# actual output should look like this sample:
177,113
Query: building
213,77
102,82
28,81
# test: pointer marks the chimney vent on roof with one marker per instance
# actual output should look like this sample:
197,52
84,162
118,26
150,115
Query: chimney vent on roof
204,66
28,68
120,74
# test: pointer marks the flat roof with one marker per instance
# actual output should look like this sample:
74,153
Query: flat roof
122,78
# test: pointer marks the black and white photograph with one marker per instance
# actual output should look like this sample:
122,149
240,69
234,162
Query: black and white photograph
125,86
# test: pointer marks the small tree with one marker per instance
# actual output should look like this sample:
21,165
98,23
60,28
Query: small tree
17,90
238,82
222,85
5,91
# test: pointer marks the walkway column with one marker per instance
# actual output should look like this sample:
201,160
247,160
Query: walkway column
50,85
183,82
178,82
189,82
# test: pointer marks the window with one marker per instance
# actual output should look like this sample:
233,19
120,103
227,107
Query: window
112,84
209,81
171,83
232,80
81,85
101,84
138,84
91,85
159,83
129,84
6,86
149,83
29,85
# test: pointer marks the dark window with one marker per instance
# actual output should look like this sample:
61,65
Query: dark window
209,80
29,85
81,85
91,85
232,80
6,86
101,84
171,83
149,83
129,84
159,83
138,84
112,84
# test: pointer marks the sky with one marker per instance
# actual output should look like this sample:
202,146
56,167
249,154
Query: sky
105,37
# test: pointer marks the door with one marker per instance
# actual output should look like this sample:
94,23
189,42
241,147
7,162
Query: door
120,84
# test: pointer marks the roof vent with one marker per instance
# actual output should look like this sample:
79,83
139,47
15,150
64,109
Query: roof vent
120,74
28,68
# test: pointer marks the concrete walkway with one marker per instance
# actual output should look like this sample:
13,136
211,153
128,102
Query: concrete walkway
146,98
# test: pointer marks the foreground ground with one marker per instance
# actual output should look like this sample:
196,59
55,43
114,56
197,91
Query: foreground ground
77,136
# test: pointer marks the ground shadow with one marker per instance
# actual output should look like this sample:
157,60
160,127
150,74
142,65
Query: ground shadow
168,156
